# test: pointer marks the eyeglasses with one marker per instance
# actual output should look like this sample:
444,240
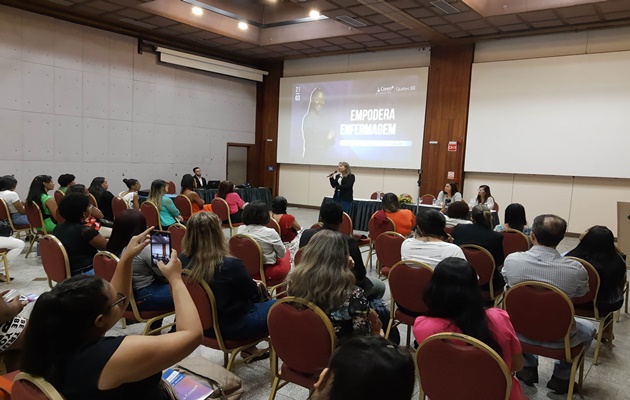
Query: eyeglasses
121,299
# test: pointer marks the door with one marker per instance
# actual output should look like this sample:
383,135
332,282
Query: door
236,169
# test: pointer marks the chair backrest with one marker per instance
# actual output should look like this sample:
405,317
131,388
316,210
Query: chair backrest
449,229
105,264
5,215
387,246
495,207
514,241
375,196
346,225
273,224
119,205
221,209
58,196
92,199
539,311
317,225
29,387
178,231
54,258
427,199
171,189
298,256
205,302
301,334
594,282
454,365
407,282
184,205
246,249
374,230
151,214
59,218
481,260
34,216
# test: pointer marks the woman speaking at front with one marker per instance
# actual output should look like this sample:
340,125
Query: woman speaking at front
343,183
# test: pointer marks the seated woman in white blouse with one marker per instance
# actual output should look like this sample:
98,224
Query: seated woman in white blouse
484,197
449,195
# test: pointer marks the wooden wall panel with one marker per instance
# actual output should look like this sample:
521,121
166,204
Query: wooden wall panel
262,169
446,115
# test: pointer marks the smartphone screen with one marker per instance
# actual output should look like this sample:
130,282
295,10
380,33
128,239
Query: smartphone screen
160,247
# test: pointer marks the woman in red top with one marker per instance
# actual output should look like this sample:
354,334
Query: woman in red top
234,201
289,227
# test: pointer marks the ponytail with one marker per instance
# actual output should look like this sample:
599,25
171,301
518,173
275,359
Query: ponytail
481,215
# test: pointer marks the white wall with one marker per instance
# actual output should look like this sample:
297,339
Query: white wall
79,100
584,202
306,184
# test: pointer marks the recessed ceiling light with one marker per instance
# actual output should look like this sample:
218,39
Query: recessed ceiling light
197,10
314,14
242,26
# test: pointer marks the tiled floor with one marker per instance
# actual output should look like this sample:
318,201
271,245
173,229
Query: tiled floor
608,380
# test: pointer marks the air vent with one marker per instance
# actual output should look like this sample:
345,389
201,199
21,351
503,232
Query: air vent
445,7
351,21
138,23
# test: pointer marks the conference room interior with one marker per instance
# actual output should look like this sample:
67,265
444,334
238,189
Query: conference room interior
77,99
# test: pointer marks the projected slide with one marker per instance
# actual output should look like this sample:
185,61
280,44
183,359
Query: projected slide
370,119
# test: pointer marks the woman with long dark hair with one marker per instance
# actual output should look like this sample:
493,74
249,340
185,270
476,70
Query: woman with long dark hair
188,185
455,304
484,197
343,183
514,219
38,194
99,189
65,343
597,246
449,195
169,214
234,201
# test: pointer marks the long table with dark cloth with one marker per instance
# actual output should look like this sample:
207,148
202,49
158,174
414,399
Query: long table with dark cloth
248,195
361,211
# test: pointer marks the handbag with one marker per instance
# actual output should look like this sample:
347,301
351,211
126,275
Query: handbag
226,385
5,229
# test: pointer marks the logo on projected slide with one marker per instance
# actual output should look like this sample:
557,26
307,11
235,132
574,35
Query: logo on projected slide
392,89
385,89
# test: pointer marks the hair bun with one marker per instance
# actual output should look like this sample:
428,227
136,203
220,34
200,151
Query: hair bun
125,180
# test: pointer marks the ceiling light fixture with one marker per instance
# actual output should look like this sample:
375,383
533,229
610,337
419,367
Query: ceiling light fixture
197,11
314,14
242,26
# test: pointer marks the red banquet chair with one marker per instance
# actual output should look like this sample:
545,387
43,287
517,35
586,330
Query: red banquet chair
5,215
54,259
222,210
483,263
427,199
36,221
151,214
302,337
387,246
58,196
178,231
273,224
29,387
118,206
184,205
374,231
514,241
246,249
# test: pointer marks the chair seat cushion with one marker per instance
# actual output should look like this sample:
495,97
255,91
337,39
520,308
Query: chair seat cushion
556,354
3,250
21,226
385,271
298,378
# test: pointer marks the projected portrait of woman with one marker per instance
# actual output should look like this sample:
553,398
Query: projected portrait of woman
318,133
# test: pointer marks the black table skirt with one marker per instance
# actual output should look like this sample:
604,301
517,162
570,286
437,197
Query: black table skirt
247,195
361,211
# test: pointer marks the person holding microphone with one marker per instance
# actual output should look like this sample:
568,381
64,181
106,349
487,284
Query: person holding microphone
343,183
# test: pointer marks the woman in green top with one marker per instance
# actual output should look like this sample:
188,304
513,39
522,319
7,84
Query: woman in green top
38,194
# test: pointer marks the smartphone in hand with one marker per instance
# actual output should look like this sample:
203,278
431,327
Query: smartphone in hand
160,247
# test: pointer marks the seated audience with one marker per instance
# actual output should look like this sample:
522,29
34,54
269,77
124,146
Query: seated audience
151,290
484,197
80,241
403,219
205,253
276,257
455,304
98,189
331,215
481,234
38,194
169,214
65,343
14,249
94,215
188,185
234,201
131,194
8,184
361,361
430,244
65,181
514,219
324,277
597,246
11,325
457,214
289,227
449,195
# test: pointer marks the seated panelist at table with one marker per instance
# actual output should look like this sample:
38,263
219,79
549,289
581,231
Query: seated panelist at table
199,180
449,195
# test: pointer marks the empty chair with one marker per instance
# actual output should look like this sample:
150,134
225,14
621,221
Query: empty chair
119,205
152,214
54,259
178,231
514,241
302,336
454,366
427,199
387,246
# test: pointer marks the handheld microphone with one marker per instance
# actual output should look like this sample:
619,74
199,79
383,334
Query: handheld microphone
333,173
